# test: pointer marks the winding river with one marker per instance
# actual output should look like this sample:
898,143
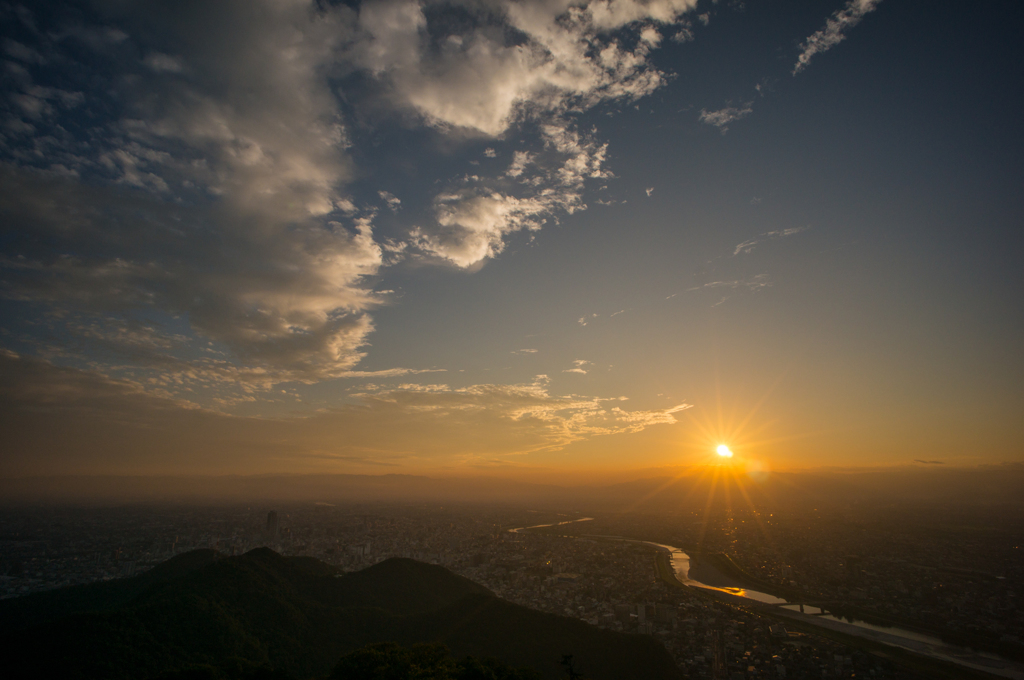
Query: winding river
919,643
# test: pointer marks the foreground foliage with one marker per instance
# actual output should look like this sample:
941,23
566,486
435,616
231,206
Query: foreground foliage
389,661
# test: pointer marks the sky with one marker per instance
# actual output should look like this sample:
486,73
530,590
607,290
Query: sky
536,238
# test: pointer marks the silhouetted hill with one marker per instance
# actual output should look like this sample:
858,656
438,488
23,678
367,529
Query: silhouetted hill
38,608
406,585
299,615
538,640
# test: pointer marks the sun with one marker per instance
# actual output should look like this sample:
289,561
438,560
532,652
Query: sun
724,451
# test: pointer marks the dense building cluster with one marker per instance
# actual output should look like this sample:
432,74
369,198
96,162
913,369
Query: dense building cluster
616,584
957,573
607,582
44,548
937,573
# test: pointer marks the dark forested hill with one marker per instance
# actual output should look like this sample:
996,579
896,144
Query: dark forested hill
31,610
295,614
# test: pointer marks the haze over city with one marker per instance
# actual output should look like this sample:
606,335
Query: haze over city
511,339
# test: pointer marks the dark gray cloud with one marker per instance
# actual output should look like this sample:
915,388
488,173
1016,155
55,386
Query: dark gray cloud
287,299
212,189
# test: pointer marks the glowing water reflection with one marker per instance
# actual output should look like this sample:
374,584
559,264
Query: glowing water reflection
898,637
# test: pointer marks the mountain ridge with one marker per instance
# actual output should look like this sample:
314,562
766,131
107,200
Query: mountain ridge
299,615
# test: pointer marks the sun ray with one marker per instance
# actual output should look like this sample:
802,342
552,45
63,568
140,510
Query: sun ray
657,490
707,512
757,515
696,486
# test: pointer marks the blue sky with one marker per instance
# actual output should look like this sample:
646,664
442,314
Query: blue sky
509,236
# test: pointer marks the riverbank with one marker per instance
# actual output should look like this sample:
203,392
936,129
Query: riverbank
922,657
704,569
924,653
723,564
884,645
728,567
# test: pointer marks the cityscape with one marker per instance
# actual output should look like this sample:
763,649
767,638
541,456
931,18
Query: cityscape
607,571
511,340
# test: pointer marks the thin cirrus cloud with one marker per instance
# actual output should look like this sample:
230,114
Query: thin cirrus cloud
749,245
722,118
820,41
579,366
107,422
834,31
752,284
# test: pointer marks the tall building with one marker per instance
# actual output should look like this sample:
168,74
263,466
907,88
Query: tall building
272,526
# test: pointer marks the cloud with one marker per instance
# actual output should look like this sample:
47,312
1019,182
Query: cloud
471,222
834,32
163,63
392,201
472,225
234,220
683,34
513,60
524,351
491,419
722,118
929,462
579,366
519,162
287,300
211,185
749,245
22,52
536,62
752,284
109,425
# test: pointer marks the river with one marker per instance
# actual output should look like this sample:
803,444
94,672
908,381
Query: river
919,643
553,524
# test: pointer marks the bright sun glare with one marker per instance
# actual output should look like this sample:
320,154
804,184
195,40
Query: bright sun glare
724,451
